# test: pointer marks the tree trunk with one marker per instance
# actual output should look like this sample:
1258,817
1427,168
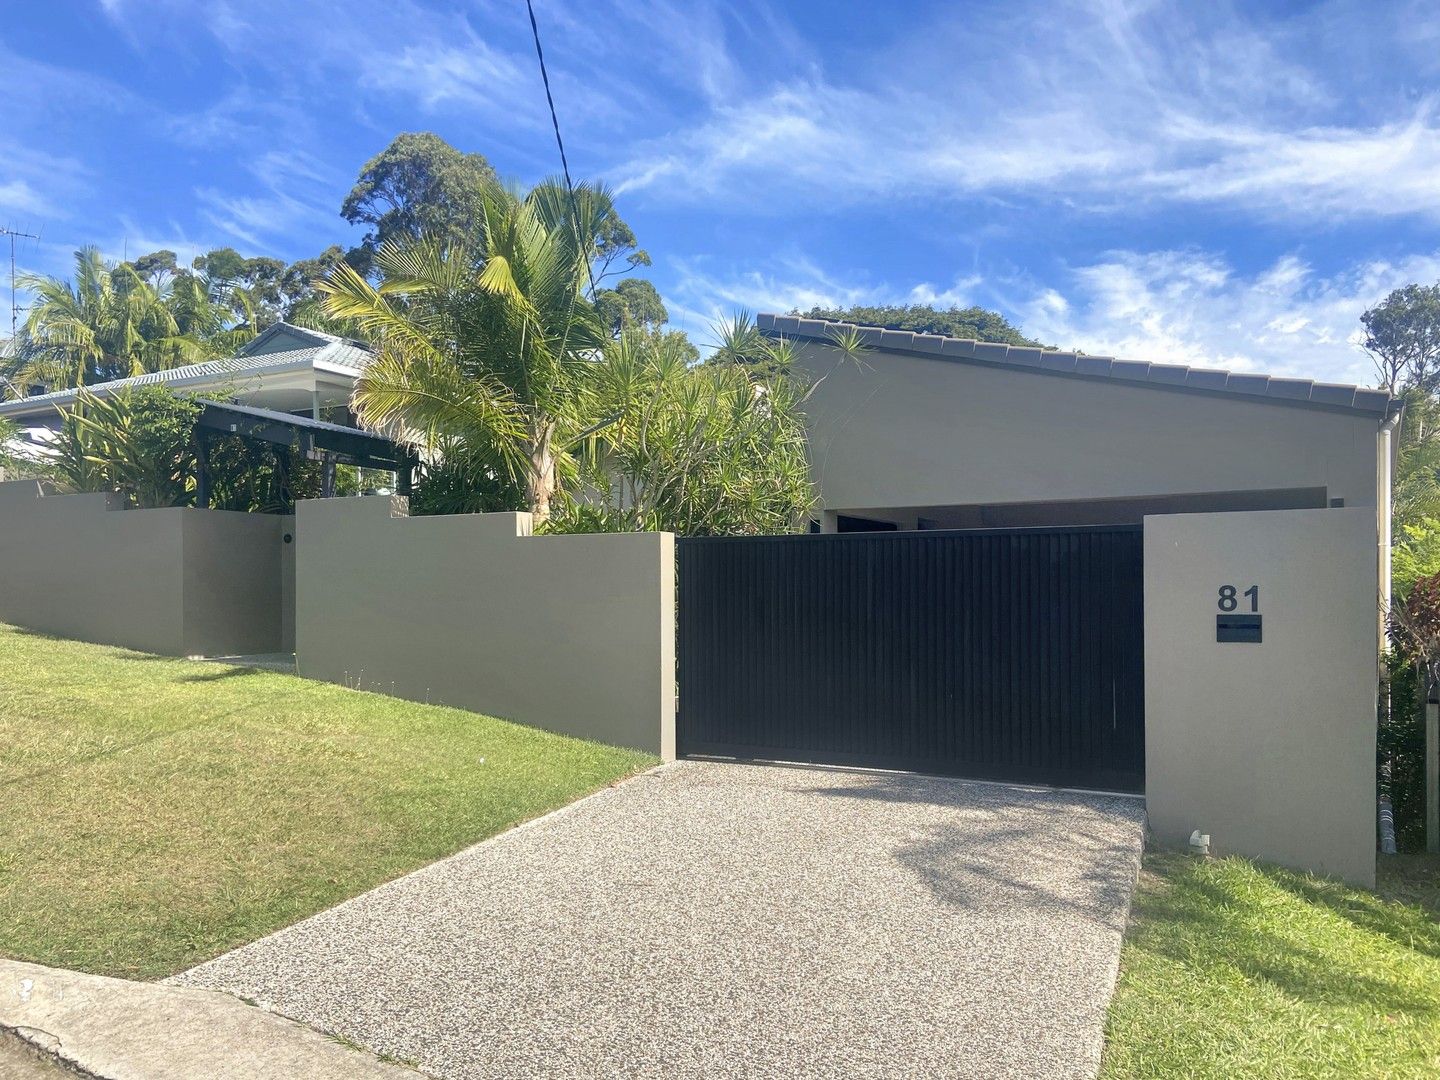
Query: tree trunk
540,476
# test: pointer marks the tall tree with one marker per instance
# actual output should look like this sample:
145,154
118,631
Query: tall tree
633,303
106,323
972,322
417,186
482,341
1402,335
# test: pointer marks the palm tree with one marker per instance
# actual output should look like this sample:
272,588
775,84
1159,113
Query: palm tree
110,323
482,347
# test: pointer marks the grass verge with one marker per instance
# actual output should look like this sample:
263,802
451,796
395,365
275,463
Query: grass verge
1236,969
158,812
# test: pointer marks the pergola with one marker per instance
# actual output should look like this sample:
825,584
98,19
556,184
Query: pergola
316,440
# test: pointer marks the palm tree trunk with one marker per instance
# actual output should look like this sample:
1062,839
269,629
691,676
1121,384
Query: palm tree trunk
540,476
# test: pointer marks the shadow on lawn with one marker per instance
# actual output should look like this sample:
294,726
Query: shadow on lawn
1196,915
1408,925
221,674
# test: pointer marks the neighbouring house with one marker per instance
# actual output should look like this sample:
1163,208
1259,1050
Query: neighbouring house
286,369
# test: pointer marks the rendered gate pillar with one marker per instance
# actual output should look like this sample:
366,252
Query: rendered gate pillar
1260,685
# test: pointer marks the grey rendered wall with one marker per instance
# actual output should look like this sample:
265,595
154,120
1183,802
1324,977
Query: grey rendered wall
232,583
70,565
173,581
902,431
288,541
1269,748
570,633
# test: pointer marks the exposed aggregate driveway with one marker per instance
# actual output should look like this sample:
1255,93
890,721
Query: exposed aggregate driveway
710,919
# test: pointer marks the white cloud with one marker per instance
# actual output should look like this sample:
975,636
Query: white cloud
703,294
296,190
1161,101
1176,307
1193,308
17,196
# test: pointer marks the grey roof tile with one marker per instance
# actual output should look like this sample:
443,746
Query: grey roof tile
994,351
1133,370
1161,376
1171,374
1026,356
1371,400
1244,383
1204,379
1296,389
1333,394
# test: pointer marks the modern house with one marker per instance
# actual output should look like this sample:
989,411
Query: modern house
1030,566
929,432
1102,565
287,369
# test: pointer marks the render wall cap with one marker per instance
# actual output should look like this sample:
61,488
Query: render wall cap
1171,377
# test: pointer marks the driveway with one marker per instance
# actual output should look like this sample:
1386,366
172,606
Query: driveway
724,920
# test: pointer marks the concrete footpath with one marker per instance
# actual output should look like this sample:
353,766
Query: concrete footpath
58,1023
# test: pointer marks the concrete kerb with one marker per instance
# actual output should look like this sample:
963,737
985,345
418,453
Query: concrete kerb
97,1026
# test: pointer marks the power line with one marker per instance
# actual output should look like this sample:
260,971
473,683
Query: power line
564,164
12,234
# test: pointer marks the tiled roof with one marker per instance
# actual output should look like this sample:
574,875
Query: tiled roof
1161,376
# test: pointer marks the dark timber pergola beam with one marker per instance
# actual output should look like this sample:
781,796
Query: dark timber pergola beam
316,440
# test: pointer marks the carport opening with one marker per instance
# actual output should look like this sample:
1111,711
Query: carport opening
1118,511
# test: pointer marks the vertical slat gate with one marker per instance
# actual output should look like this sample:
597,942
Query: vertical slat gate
1007,655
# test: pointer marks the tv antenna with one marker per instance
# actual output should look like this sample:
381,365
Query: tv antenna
12,234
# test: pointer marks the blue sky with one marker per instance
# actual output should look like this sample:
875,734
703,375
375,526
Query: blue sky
1212,184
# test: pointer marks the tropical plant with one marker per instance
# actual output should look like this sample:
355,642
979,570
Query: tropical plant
113,322
715,448
135,442
482,347
11,461
696,449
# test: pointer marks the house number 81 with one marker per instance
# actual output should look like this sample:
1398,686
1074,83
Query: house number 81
1229,600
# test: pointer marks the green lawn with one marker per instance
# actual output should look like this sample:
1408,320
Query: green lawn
157,812
1232,969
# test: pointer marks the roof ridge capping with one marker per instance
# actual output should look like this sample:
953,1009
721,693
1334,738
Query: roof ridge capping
321,338
1162,376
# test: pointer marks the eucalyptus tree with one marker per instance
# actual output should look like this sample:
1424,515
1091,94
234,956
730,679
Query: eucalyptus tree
482,344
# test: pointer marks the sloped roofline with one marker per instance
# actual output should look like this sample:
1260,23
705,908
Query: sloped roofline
323,355
1268,388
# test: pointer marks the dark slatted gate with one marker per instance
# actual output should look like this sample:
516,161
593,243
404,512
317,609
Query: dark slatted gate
1008,655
